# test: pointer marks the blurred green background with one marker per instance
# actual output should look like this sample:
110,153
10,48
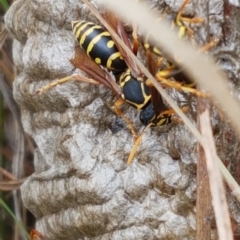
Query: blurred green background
16,158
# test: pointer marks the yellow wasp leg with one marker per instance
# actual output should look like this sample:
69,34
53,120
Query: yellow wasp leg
192,20
179,86
168,72
171,112
136,144
163,75
53,84
85,79
159,62
64,80
209,45
180,20
118,111
179,15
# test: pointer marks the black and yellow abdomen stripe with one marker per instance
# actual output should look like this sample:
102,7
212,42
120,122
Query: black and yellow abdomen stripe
99,45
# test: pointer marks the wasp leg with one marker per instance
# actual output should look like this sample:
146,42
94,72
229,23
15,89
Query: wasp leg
160,62
163,75
192,20
172,112
182,8
209,45
138,140
136,144
178,86
51,85
180,20
118,111
168,72
64,80
35,235
167,112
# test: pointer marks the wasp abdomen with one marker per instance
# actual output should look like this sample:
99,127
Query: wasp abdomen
98,44
134,90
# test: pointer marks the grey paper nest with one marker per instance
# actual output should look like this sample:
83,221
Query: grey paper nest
82,187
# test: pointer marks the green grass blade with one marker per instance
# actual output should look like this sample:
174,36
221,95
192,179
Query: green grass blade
20,225
5,4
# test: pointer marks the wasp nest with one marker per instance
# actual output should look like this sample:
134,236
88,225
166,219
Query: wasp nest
82,187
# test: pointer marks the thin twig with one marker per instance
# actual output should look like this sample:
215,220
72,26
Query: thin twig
11,185
215,180
7,174
204,200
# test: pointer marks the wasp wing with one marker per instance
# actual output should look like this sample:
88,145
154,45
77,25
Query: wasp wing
86,64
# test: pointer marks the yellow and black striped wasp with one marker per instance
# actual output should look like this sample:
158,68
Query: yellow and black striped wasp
99,48
98,44
168,68
134,91
165,69
133,87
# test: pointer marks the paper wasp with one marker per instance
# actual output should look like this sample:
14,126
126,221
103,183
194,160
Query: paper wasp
98,45
131,85
169,67
131,82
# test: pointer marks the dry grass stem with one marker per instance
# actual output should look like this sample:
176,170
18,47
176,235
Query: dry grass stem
11,185
204,210
219,201
7,174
